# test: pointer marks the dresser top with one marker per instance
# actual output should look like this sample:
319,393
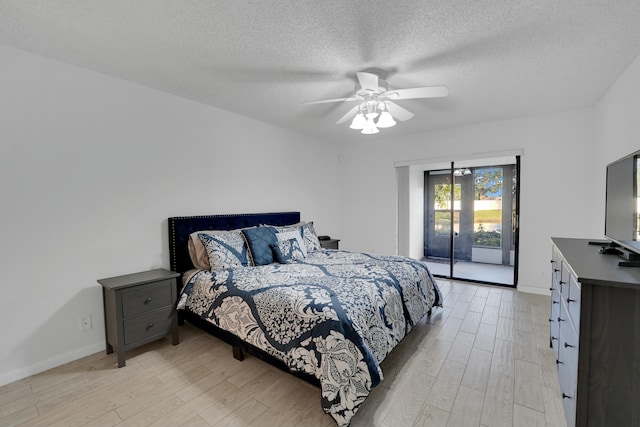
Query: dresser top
590,266
136,279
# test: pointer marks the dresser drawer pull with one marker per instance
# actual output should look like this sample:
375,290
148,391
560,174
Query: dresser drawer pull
568,345
560,319
569,300
555,270
558,362
551,288
149,326
563,283
566,396
553,338
554,302
148,300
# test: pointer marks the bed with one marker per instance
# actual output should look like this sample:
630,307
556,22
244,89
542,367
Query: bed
263,283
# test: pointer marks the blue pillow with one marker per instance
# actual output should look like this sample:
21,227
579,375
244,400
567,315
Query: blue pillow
287,251
259,240
225,250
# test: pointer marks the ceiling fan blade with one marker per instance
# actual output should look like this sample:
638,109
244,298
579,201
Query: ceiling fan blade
349,114
398,112
368,81
418,92
323,101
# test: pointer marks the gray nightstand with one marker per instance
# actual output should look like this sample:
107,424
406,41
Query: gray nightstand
329,244
139,308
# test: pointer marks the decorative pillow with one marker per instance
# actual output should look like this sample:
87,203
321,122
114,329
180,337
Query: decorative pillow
292,233
259,240
287,251
225,251
310,237
198,253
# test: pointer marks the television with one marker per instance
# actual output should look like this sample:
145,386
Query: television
622,225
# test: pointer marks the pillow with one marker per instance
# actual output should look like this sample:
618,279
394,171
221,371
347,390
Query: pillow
259,240
287,251
225,251
292,233
310,237
198,253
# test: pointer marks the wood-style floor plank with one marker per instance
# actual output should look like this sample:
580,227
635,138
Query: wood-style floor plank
482,360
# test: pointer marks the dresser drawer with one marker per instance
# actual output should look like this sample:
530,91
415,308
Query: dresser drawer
568,369
565,277
146,298
555,313
573,301
147,326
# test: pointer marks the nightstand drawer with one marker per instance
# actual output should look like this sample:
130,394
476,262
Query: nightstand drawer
329,244
147,326
146,298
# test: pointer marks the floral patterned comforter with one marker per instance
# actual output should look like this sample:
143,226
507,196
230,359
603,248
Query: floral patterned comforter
335,315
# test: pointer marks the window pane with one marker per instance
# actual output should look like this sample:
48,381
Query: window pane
487,218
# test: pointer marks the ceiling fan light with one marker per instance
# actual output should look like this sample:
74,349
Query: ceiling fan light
385,120
372,116
358,122
370,128
370,131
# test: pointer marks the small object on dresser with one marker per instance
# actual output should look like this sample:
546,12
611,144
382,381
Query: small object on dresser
328,243
139,308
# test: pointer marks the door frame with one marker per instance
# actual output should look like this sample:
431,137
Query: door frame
515,221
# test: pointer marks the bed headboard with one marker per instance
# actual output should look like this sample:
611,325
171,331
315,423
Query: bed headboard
180,227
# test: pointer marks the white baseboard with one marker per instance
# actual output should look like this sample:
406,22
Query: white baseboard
534,290
36,368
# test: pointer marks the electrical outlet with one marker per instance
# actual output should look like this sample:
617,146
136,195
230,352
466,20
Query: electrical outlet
85,323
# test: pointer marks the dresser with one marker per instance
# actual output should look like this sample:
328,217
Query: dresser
595,334
139,308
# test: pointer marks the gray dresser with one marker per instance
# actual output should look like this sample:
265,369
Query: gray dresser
595,334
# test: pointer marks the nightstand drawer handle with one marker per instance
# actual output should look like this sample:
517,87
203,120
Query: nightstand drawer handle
148,300
149,326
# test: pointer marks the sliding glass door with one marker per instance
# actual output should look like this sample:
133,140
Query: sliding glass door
471,222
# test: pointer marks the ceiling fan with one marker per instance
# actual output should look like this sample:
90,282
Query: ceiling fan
375,101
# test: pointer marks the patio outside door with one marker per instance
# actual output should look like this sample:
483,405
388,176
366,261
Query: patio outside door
470,223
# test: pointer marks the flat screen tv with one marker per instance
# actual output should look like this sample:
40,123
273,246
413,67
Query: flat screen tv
621,215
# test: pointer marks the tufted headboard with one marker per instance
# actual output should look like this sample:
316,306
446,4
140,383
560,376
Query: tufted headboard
180,227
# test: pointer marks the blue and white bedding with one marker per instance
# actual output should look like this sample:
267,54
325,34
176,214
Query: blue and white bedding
332,314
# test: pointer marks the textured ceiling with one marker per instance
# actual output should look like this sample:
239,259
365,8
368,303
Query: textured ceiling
261,59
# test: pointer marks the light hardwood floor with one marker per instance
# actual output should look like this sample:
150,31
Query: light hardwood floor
482,360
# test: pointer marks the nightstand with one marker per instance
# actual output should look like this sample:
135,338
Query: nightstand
139,308
329,244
